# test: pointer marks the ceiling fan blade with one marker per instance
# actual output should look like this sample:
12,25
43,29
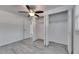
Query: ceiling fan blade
39,11
36,15
28,7
22,12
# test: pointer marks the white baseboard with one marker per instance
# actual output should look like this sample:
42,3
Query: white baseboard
23,39
53,41
12,41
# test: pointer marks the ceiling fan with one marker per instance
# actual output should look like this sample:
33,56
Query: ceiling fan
31,11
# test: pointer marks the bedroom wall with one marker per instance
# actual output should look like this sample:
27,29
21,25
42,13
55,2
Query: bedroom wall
76,33
57,28
11,27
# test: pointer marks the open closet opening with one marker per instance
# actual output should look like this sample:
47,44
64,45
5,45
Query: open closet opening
57,29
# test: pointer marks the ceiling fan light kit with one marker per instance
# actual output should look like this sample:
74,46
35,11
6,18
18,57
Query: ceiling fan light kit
32,14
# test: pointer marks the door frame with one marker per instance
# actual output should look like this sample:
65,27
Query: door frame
69,23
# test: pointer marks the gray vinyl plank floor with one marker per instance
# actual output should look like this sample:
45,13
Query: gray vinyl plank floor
26,46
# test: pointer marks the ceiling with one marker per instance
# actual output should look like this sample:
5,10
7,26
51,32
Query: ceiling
15,8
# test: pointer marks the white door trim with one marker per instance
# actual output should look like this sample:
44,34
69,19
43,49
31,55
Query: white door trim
33,28
46,23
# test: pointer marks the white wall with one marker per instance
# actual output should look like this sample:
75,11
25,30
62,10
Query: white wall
40,28
11,27
27,23
76,33
57,28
